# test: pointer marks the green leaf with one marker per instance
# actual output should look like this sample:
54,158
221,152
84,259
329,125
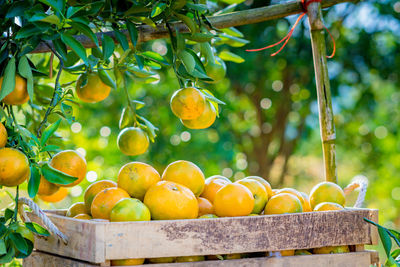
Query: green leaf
133,33
17,9
121,39
8,214
96,51
198,7
105,78
211,97
36,228
57,5
233,32
108,46
127,118
50,148
55,176
229,56
3,249
187,60
72,10
61,48
86,31
8,84
19,242
52,19
76,46
150,128
27,31
50,130
26,134
9,256
25,71
233,41
395,235
158,9
154,57
34,181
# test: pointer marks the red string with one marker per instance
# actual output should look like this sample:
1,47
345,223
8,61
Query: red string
304,4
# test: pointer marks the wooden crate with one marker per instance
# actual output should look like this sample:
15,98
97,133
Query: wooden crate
100,242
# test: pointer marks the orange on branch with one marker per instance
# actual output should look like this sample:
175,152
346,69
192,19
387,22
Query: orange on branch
46,188
233,200
188,103
57,196
3,136
14,167
70,162
19,95
205,120
105,201
94,90
133,141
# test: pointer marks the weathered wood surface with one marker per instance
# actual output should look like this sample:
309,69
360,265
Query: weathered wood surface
100,241
353,259
238,18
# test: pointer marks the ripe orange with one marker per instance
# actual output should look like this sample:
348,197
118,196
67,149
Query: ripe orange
326,206
94,189
57,196
326,192
14,167
170,201
208,216
76,208
212,185
295,193
283,253
205,206
306,203
162,260
105,200
19,95
133,141
94,90
185,173
205,120
190,259
233,200
331,250
46,188
259,193
136,178
188,103
71,163
3,136
264,183
129,209
127,262
283,203
82,216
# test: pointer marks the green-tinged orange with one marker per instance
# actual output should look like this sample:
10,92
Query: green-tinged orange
259,192
133,141
208,216
327,192
105,200
331,250
190,258
77,208
265,183
327,206
127,262
82,216
283,203
162,260
129,209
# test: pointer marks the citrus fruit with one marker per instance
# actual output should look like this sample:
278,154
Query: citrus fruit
57,196
136,178
326,206
205,120
234,256
19,95
208,216
205,206
259,193
46,188
302,252
326,192
3,136
76,208
14,167
82,216
70,162
265,183
281,253
212,185
129,209
94,90
162,260
306,203
283,203
295,193
127,262
105,200
185,173
331,250
190,258
95,188
170,201
133,141
233,200
188,103
215,70
253,214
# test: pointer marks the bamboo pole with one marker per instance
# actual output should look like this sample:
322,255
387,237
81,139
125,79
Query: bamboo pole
327,126
238,18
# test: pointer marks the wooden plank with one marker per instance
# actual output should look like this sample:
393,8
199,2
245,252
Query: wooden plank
237,235
354,259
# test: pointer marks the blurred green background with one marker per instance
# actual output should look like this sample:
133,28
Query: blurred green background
269,125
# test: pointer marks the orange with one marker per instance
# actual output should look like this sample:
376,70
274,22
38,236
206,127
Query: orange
205,206
82,216
234,256
208,216
46,188
57,196
302,252
283,203
188,103
19,95
136,178
162,260
295,193
14,167
133,141
94,90
170,201
76,208
185,173
327,192
281,252
190,258
259,193
264,183
233,200
95,188
105,200
127,262
129,209
306,203
275,191
331,250
215,70
212,185
205,120
70,162
326,206
3,136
